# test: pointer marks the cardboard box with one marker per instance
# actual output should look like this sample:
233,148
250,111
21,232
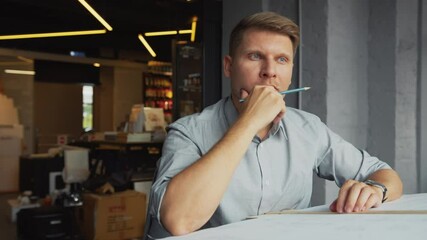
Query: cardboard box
10,150
117,216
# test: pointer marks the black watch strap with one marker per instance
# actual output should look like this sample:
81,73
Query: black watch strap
378,185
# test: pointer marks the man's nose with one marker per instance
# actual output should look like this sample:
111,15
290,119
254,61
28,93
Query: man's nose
268,70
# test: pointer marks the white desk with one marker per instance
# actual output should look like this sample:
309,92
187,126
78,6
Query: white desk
318,223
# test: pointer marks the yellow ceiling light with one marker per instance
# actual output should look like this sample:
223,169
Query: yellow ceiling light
65,34
52,34
96,15
161,33
21,72
96,64
193,29
146,45
172,32
188,31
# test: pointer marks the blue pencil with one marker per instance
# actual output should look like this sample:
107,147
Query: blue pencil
286,92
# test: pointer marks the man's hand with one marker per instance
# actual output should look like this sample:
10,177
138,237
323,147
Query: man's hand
356,196
263,104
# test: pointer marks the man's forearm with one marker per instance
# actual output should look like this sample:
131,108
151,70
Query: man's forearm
193,195
391,180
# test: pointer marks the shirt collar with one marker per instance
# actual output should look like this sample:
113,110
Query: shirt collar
230,111
231,116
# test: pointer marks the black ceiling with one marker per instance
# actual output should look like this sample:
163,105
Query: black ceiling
127,17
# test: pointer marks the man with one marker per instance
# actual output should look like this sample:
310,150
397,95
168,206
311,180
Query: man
242,158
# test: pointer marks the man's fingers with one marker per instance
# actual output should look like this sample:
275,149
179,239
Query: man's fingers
373,201
364,195
333,206
355,196
279,116
352,197
342,195
263,104
243,93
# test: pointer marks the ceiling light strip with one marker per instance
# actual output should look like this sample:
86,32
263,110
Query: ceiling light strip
165,33
193,29
96,15
52,34
146,45
188,31
21,72
162,33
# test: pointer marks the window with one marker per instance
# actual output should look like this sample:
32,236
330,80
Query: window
87,108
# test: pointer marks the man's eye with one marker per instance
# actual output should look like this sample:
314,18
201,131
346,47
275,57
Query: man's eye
254,56
282,60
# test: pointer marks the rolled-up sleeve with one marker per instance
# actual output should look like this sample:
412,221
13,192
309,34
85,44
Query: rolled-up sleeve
339,160
179,151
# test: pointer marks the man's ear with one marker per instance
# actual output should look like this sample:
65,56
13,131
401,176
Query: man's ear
227,65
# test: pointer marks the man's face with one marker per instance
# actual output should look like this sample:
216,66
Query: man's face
262,58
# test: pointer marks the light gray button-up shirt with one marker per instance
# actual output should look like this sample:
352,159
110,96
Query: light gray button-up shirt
275,174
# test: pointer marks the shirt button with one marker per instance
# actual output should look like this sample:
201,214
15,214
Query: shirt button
267,183
260,145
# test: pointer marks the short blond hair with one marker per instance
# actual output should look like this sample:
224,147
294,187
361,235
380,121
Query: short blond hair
268,21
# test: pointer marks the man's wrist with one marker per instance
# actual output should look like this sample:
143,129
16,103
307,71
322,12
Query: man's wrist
380,186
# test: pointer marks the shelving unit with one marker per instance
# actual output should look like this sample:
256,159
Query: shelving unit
188,81
157,88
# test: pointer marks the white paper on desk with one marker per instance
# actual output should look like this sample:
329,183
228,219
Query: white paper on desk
321,226
406,202
329,226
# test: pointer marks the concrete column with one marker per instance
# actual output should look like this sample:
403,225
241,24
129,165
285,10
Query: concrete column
314,55
392,76
347,61
422,106
382,79
406,92
314,69
347,57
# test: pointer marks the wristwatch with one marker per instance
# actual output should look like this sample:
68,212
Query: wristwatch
378,185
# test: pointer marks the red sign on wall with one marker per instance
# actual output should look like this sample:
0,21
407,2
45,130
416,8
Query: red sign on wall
62,139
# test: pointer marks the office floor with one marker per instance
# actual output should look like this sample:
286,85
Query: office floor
7,228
